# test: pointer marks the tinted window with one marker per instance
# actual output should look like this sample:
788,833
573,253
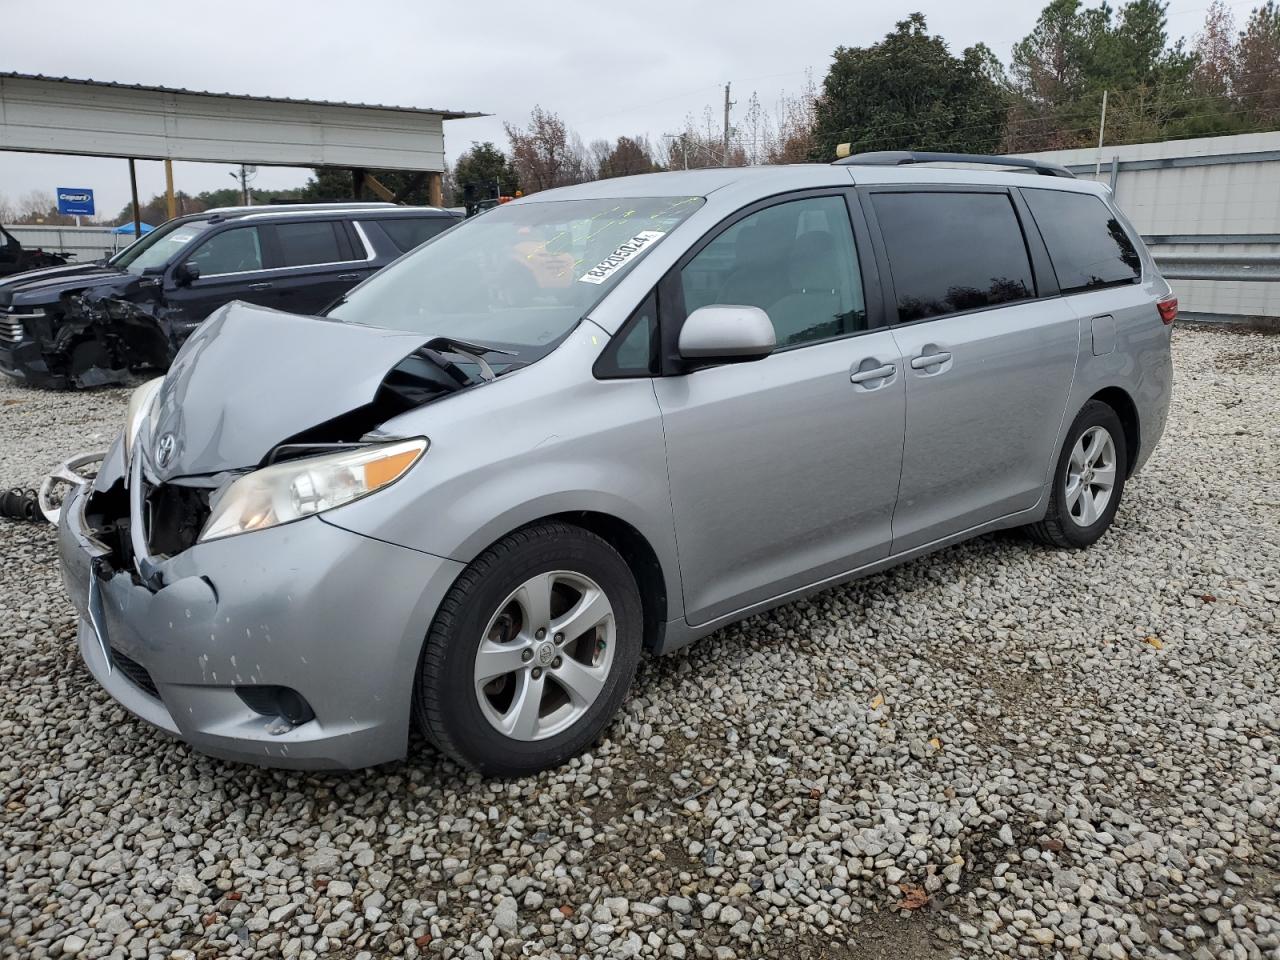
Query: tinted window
953,251
232,251
310,242
407,233
795,261
1088,246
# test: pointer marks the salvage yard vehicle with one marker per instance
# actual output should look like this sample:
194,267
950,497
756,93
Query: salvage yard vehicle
14,258
91,324
475,491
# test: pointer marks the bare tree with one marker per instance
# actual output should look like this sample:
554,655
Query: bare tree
546,155
1215,52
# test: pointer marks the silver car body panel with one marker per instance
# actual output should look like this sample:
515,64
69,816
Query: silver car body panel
752,483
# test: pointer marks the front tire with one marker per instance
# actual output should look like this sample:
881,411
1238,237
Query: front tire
1088,480
531,652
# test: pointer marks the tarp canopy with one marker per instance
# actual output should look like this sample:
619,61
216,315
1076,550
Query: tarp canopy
128,228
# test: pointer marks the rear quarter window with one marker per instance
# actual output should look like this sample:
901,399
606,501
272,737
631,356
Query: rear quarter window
1087,244
409,232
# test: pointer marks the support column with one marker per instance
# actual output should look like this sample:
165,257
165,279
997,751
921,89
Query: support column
435,188
133,188
357,183
170,200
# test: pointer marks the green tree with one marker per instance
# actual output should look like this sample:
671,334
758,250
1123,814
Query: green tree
624,157
1257,67
483,168
909,92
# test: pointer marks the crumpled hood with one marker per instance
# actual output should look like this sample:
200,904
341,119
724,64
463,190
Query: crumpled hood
250,378
35,287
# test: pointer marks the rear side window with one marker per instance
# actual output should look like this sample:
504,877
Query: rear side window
1087,244
950,252
795,261
233,251
409,232
314,241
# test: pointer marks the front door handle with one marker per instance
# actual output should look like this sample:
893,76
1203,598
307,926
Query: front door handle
875,373
264,285
348,276
929,360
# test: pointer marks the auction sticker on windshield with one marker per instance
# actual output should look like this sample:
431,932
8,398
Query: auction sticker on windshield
615,261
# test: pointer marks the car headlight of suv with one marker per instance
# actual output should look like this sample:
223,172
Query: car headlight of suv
140,403
284,492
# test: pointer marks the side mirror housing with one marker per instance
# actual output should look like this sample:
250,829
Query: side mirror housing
187,272
721,333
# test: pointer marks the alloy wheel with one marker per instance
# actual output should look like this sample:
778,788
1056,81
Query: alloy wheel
545,655
1091,476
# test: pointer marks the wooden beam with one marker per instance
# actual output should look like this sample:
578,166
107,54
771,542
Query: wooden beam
133,190
435,188
170,200
380,190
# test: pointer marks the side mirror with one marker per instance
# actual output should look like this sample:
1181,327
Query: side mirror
186,273
726,334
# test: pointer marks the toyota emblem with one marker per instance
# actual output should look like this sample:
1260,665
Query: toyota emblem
164,449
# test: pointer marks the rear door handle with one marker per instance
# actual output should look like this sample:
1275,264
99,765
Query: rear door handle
348,276
875,373
929,360
264,285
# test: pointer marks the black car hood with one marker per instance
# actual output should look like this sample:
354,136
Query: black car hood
250,378
35,287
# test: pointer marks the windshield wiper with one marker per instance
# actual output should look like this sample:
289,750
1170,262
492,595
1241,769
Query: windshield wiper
468,351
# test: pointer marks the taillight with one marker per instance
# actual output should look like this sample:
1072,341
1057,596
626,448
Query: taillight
1168,307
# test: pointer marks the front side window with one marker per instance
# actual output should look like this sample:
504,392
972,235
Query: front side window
1087,244
409,232
233,251
950,252
520,276
310,242
796,261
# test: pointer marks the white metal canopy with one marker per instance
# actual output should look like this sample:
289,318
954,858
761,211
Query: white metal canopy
92,118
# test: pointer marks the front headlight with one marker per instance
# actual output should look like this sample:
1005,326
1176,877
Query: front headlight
284,492
140,403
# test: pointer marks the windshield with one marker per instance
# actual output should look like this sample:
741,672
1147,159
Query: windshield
520,276
159,246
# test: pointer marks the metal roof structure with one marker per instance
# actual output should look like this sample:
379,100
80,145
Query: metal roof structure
98,118
444,114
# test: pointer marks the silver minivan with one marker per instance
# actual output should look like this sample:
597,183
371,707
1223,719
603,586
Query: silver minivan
604,420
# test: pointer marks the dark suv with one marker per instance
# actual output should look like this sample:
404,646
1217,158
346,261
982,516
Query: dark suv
90,324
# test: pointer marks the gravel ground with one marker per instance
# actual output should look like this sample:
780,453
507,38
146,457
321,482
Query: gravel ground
1000,749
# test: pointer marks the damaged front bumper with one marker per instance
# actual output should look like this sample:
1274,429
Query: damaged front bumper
223,641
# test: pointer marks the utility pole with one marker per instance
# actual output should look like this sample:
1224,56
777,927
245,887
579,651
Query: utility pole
727,129
1102,126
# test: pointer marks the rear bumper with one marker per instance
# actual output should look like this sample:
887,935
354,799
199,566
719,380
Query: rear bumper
336,616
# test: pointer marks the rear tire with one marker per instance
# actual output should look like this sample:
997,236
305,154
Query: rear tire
1088,480
531,652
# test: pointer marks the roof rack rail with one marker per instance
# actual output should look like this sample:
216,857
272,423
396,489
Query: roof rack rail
895,158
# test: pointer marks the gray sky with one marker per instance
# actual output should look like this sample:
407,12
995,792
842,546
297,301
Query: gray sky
606,69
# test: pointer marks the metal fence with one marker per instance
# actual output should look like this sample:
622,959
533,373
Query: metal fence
87,243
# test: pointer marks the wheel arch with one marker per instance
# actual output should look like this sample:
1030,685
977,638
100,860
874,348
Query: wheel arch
1118,399
636,551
